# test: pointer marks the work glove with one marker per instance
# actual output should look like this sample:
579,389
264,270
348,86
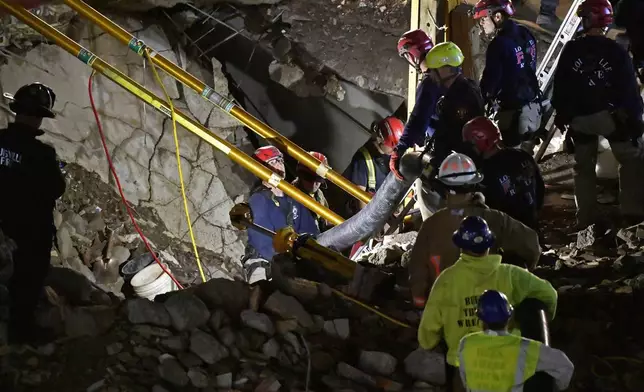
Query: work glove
394,162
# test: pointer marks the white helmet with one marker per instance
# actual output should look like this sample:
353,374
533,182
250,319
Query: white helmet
458,170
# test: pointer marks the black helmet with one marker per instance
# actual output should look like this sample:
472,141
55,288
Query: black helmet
33,99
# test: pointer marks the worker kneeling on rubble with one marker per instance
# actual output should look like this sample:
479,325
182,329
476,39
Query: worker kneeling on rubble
460,103
434,249
509,79
494,360
310,183
451,307
512,181
370,165
32,179
273,210
596,94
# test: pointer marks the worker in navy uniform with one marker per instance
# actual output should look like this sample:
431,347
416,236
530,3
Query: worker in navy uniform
413,46
32,182
274,210
509,79
370,165
596,94
512,181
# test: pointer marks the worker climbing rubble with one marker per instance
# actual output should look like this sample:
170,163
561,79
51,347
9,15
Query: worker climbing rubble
413,46
509,79
434,250
310,183
512,181
33,181
450,312
596,94
630,15
494,360
370,165
460,103
272,209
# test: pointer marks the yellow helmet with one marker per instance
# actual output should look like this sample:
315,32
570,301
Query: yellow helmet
444,54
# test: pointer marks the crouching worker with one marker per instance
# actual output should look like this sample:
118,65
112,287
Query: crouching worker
451,307
434,250
273,210
496,361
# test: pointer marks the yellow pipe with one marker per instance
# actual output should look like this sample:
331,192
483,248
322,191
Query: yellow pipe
158,103
221,102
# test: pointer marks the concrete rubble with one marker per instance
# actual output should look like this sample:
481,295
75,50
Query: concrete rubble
185,341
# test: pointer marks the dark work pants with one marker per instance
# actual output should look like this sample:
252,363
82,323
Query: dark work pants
31,265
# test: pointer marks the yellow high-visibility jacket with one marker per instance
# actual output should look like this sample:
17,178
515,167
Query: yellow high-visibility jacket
451,308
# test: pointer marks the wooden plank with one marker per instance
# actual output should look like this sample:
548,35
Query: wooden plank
460,26
412,79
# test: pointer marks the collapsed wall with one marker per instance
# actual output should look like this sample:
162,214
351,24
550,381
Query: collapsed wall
140,139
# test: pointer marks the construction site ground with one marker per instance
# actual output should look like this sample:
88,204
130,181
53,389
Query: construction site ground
597,324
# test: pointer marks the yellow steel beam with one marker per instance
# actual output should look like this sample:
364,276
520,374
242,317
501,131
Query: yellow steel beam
220,101
161,105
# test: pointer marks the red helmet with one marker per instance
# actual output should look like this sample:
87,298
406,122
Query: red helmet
267,154
482,133
489,7
389,130
414,45
595,13
305,171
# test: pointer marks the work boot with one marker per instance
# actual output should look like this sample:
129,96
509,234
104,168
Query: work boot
549,22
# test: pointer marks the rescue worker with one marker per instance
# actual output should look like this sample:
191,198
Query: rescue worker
370,165
273,210
434,250
509,79
33,181
451,308
630,15
596,93
413,46
310,183
512,181
460,103
494,360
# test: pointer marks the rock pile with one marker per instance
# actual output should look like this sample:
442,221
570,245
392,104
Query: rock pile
224,335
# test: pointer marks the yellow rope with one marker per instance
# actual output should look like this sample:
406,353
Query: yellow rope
176,144
364,305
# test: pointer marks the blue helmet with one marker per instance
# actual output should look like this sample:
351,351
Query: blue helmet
494,308
473,235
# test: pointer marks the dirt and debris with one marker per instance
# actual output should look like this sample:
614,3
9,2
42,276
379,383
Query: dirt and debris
95,236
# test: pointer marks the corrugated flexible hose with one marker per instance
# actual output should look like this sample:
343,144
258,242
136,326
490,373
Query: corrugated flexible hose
373,217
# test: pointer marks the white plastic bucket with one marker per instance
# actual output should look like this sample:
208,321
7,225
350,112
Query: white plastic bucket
152,281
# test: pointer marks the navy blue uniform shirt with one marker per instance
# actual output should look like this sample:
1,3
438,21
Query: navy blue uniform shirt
594,74
510,67
419,126
274,213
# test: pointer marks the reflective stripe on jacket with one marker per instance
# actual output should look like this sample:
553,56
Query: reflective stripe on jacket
371,170
450,312
497,363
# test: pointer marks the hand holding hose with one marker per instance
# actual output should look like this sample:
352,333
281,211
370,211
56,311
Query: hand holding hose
394,164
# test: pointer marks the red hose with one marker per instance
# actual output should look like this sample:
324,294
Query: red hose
118,185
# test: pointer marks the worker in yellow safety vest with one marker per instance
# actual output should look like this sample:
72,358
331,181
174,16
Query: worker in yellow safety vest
450,312
312,184
494,360
370,165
